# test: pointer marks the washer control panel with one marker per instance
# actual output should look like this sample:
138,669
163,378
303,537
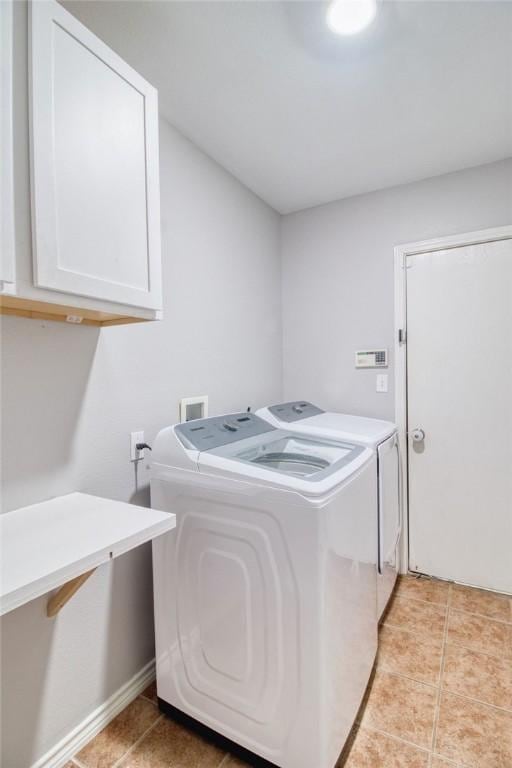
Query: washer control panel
294,411
204,434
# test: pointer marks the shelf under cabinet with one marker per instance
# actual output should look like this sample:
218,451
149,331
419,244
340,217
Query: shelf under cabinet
58,544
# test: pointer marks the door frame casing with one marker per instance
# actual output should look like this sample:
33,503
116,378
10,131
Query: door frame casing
402,252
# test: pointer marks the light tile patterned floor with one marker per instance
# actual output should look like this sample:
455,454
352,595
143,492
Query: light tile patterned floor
440,696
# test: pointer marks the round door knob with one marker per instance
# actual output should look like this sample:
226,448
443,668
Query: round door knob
418,435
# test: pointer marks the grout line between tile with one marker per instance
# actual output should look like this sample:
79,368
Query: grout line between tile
418,634
441,671
429,640
137,742
501,656
483,616
455,644
450,762
478,701
395,738
433,603
455,765
383,668
498,657
485,590
436,604
413,632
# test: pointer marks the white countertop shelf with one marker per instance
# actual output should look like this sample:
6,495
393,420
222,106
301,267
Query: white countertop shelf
50,543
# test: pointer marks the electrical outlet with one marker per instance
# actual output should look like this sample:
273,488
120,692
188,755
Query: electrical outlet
136,437
382,382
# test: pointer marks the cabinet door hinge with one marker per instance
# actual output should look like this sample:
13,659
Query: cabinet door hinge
402,336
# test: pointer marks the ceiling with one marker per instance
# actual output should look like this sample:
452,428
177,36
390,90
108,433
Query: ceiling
303,117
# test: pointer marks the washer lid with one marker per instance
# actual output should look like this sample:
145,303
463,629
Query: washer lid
248,447
294,454
288,460
308,419
343,425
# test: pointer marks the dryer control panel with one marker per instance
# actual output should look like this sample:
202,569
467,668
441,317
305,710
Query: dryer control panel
204,434
294,411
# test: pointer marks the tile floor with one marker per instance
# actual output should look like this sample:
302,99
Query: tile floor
440,696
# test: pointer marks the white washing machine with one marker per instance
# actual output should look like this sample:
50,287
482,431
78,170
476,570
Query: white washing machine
382,437
265,620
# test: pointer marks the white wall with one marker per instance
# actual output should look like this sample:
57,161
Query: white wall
70,397
337,263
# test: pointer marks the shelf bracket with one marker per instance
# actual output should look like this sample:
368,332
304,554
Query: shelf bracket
65,593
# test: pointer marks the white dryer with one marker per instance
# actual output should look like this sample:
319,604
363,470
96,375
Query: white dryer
382,437
265,599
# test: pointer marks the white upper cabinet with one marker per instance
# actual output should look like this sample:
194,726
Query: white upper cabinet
79,184
7,259
94,166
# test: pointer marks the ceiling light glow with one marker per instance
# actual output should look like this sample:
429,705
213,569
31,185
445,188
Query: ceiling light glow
347,17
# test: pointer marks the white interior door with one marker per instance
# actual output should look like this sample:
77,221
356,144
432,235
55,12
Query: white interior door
459,378
96,206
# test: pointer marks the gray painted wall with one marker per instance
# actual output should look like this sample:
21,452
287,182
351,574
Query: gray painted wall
70,397
338,273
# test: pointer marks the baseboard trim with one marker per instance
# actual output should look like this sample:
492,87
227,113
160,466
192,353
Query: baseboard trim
93,723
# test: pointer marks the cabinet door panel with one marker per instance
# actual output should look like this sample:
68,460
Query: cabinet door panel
94,166
7,258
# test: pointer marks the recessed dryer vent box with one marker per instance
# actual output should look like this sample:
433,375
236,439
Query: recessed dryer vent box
372,358
193,408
